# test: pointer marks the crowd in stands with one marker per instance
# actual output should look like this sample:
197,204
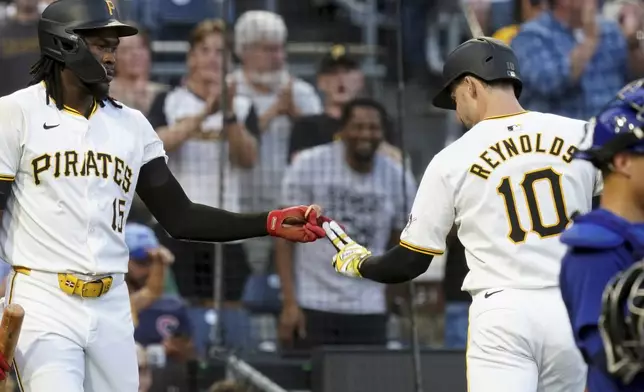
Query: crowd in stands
243,133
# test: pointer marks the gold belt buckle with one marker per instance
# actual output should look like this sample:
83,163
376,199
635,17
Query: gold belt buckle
90,290
87,286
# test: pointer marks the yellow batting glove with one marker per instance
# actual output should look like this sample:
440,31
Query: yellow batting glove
350,254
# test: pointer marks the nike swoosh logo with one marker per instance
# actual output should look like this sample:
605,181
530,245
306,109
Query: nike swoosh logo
488,295
49,126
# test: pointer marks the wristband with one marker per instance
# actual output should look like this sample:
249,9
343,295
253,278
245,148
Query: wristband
230,119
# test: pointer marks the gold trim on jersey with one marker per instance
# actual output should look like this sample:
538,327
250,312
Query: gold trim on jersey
15,365
73,111
425,251
7,177
505,115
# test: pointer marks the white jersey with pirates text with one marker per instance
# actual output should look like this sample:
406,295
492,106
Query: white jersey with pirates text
73,182
510,185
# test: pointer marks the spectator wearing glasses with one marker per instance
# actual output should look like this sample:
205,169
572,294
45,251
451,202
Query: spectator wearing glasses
279,97
573,60
363,189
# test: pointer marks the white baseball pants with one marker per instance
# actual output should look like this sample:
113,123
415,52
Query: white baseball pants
73,344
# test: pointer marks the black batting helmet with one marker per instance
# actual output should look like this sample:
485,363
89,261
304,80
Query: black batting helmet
621,323
486,58
61,26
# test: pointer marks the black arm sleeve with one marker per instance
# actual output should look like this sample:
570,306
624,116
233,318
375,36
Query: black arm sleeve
156,115
397,265
185,220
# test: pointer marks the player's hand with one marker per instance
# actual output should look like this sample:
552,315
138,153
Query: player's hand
291,323
350,254
4,368
298,224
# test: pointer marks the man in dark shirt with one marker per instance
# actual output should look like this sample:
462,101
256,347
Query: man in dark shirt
19,46
339,80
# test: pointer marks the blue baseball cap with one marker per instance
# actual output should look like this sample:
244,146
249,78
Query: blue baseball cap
140,239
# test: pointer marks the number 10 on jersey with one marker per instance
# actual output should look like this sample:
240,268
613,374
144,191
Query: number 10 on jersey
518,232
118,214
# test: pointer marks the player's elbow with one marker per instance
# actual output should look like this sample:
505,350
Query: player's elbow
174,225
176,230
410,271
398,265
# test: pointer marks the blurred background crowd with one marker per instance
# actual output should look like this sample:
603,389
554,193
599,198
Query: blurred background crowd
265,103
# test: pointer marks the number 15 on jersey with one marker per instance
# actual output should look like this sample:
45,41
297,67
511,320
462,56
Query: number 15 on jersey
518,231
118,215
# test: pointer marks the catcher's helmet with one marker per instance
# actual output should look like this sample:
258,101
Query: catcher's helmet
486,58
61,26
618,127
621,323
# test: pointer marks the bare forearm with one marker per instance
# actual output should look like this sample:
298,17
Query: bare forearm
284,266
174,135
156,279
580,56
243,146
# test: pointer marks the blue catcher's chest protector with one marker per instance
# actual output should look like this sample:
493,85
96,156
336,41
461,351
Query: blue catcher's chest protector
602,230
601,244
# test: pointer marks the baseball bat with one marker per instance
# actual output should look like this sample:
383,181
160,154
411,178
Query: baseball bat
10,326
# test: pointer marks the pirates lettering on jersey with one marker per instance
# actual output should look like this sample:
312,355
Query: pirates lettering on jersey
506,149
70,163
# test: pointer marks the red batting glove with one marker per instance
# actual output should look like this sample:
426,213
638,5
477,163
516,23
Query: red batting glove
298,224
4,367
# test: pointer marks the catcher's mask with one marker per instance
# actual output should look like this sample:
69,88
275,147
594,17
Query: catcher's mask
621,323
60,31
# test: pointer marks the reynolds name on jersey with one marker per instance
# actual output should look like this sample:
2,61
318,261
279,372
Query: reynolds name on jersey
504,150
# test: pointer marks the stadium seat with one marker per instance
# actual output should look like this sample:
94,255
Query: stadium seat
172,20
235,324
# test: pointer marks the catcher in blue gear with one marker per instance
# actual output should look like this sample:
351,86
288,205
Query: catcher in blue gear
603,244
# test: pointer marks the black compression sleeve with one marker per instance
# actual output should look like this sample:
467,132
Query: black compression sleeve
185,220
397,265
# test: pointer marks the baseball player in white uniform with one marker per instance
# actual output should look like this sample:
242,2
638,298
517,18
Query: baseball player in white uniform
71,159
510,186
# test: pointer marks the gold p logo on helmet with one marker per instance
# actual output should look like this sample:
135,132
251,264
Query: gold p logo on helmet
110,6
